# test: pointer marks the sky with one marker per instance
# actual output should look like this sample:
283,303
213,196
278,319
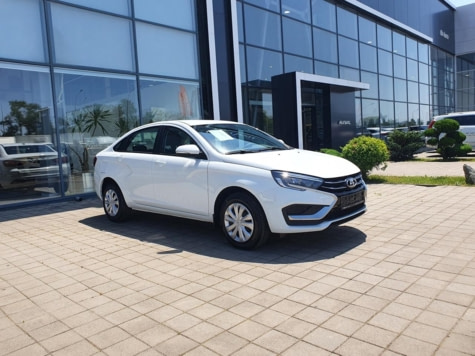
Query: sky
462,2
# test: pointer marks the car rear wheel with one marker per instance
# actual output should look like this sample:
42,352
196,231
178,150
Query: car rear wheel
114,204
243,221
57,187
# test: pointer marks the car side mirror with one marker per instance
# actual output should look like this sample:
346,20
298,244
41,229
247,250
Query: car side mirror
188,150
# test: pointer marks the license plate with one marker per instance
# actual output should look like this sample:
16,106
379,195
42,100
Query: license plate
348,201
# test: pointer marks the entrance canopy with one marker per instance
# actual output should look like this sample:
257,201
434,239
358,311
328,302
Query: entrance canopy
335,83
337,106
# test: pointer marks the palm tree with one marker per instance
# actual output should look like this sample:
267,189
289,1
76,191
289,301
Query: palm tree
89,121
96,117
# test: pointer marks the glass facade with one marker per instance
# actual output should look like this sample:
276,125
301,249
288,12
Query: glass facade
466,82
410,80
77,74
80,73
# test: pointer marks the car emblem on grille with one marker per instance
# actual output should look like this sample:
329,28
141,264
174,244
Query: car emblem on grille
351,182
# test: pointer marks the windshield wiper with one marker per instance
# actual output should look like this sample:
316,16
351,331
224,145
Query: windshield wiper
272,149
242,151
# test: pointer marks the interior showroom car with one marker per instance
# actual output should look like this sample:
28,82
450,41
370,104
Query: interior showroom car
31,165
244,180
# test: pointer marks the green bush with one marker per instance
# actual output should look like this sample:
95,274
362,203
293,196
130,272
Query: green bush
367,153
448,139
402,145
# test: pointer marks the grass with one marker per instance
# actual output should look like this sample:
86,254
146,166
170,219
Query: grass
425,180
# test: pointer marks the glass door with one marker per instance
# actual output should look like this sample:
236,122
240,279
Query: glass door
315,118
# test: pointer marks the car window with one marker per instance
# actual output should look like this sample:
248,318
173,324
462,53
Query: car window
468,120
172,138
463,120
20,149
142,141
236,138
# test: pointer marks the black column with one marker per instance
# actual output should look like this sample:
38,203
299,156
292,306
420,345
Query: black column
284,108
225,60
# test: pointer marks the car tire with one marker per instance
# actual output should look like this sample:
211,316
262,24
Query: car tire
57,187
243,221
114,204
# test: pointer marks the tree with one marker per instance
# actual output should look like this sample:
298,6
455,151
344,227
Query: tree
402,145
22,119
448,139
89,120
126,116
96,117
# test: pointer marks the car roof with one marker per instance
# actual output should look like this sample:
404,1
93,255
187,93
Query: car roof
23,144
187,123
204,122
449,115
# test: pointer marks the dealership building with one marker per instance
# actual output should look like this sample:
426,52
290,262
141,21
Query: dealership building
76,74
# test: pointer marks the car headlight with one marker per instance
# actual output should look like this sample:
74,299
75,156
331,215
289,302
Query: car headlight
296,181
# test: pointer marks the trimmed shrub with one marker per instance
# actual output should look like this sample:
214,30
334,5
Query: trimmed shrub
448,139
402,145
367,153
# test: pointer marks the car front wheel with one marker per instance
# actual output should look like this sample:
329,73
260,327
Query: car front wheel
114,204
243,221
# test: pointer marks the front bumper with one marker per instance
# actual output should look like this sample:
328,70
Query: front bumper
308,211
311,214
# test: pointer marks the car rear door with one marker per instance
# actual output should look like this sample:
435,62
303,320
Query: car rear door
180,182
133,167
467,126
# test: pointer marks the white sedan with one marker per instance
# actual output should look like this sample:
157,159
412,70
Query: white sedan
240,178
30,165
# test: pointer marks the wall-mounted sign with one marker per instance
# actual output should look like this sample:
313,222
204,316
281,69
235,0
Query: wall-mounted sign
344,122
444,34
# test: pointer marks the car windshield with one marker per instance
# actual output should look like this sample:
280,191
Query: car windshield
238,138
21,149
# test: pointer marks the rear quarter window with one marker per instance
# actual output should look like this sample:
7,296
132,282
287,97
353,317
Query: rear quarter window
468,120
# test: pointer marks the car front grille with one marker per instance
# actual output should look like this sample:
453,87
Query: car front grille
343,185
351,195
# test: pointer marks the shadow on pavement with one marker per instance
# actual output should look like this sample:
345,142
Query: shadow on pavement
46,207
174,235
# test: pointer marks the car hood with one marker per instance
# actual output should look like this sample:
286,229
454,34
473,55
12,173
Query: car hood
298,161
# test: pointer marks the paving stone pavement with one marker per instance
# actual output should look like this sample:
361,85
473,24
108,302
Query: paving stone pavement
400,280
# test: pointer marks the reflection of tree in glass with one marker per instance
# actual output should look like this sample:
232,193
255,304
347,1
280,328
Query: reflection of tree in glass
22,119
126,116
371,121
92,118
89,121
78,122
96,117
148,118
154,115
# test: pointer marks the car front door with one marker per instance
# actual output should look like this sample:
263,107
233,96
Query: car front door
181,182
